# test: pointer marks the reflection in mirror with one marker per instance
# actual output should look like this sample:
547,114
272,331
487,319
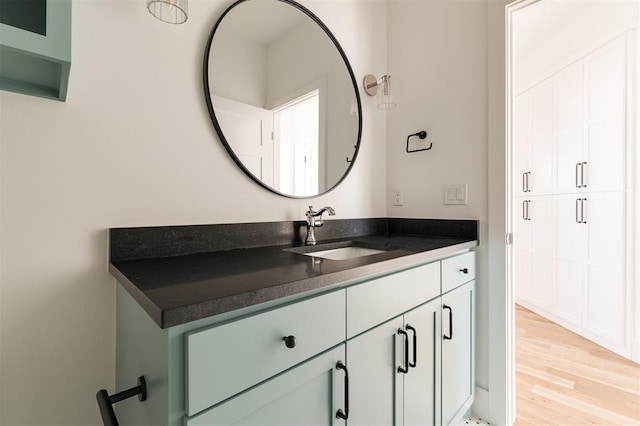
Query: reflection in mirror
282,97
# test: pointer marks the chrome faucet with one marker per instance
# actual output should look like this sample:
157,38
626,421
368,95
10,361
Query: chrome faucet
314,220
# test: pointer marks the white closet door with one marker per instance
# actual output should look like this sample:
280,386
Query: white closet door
541,223
605,81
569,243
606,302
522,252
521,154
541,138
568,111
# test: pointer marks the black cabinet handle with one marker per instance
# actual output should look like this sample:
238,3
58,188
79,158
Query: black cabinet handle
584,185
404,369
415,346
450,336
290,341
584,201
524,182
464,270
105,402
344,415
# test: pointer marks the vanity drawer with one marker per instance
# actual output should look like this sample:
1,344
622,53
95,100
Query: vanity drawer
458,270
381,299
226,359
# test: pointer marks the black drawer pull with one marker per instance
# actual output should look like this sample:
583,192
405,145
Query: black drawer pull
405,336
290,341
415,346
344,415
105,402
450,336
464,270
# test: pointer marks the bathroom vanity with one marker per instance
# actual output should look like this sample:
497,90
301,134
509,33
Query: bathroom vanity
256,328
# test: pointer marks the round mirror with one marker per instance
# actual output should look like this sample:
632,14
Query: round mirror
282,97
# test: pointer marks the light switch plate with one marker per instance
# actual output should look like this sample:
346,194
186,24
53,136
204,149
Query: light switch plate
455,194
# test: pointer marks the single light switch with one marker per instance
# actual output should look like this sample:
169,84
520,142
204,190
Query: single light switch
455,194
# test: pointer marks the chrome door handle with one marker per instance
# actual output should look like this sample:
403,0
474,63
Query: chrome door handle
582,216
578,174
578,203
582,180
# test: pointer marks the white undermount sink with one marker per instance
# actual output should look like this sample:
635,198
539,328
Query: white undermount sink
344,253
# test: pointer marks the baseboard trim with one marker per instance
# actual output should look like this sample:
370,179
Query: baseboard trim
480,407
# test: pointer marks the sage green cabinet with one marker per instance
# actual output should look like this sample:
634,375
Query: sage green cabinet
422,396
457,352
35,47
309,394
237,368
395,370
375,385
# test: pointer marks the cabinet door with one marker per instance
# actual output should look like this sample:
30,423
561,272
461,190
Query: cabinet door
521,161
568,245
541,138
605,87
457,352
541,223
309,394
521,250
376,391
568,112
607,298
422,381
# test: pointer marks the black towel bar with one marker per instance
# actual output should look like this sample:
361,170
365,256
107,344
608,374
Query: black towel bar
106,401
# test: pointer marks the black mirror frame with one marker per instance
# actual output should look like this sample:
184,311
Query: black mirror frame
216,124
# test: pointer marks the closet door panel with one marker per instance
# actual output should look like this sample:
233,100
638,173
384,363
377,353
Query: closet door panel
541,284
541,137
568,259
605,265
605,80
568,111
521,155
522,252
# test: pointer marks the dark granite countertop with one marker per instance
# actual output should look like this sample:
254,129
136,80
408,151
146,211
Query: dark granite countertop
179,283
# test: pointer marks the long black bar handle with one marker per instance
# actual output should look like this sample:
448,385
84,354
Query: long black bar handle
450,336
415,346
344,415
405,369
582,180
106,401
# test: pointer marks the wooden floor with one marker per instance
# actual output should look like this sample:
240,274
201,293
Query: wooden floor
564,379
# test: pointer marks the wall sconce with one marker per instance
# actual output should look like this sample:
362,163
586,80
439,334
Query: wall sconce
170,11
371,85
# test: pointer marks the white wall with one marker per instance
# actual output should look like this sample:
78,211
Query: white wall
132,146
238,66
437,53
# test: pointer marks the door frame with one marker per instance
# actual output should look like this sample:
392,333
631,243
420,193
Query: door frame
510,364
632,209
